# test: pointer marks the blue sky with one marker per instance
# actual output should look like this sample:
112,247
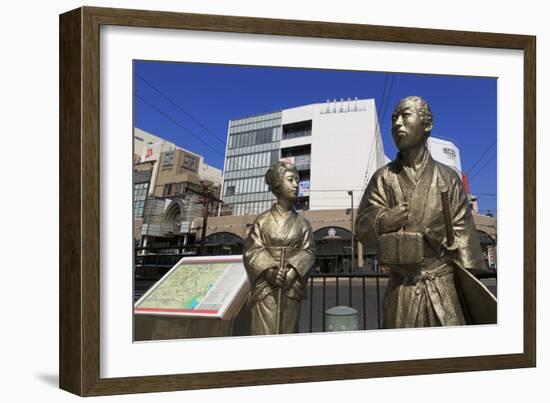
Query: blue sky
190,104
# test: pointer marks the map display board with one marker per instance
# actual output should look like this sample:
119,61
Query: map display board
212,286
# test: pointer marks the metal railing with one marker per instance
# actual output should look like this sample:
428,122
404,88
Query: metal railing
362,291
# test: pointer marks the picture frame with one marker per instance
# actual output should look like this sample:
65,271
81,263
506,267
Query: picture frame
80,200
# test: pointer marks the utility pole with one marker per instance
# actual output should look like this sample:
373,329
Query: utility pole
207,198
350,192
207,194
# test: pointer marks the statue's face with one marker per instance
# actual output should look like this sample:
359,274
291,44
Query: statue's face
288,189
408,130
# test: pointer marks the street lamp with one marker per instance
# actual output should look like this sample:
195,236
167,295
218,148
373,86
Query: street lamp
350,193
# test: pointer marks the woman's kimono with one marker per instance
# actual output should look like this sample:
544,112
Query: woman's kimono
423,294
273,230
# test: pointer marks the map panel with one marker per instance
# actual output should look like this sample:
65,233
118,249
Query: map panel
195,288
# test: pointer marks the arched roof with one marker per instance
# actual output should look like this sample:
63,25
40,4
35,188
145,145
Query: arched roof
332,232
223,237
176,206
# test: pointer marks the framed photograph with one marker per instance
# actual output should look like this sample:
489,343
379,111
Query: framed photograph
168,123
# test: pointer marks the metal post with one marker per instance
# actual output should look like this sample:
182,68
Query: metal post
206,209
311,304
378,300
324,296
280,294
350,192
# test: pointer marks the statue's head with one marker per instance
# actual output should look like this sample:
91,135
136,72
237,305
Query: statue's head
282,179
411,123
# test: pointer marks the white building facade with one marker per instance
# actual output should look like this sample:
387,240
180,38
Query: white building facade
446,152
336,147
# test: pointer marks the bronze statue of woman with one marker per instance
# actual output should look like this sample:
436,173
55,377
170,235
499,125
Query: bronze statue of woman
278,253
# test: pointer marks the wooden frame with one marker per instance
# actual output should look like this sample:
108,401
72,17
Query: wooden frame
79,200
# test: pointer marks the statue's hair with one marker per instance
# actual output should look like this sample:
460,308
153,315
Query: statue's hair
274,175
422,107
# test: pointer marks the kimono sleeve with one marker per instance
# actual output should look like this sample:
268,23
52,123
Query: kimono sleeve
304,257
469,248
373,204
256,257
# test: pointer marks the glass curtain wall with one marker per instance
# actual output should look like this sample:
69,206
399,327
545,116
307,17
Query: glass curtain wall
253,146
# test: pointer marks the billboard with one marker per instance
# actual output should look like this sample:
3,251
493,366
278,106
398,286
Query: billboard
446,152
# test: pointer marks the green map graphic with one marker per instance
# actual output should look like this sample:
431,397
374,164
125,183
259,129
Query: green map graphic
185,287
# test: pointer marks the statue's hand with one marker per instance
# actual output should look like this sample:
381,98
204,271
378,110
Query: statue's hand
291,276
394,219
275,276
281,276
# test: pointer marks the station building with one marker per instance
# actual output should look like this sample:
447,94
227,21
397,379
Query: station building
336,147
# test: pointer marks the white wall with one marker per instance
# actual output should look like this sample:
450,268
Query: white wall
30,90
342,151
445,152
210,173
342,148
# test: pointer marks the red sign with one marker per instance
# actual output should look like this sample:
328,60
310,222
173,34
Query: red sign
465,182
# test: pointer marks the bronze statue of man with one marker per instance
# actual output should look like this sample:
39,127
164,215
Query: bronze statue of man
278,253
416,214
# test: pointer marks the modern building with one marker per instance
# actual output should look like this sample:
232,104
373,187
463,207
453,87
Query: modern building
336,147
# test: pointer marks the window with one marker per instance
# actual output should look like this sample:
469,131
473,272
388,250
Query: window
299,129
140,194
168,159
190,162
168,189
138,208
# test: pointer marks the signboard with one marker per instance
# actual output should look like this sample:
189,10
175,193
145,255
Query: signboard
152,151
303,188
190,162
185,227
212,286
446,152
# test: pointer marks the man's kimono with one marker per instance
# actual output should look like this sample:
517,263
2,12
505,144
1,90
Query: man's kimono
423,294
273,230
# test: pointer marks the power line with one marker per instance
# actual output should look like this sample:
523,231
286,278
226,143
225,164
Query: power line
177,123
369,162
383,93
180,108
388,97
480,158
481,169
384,100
